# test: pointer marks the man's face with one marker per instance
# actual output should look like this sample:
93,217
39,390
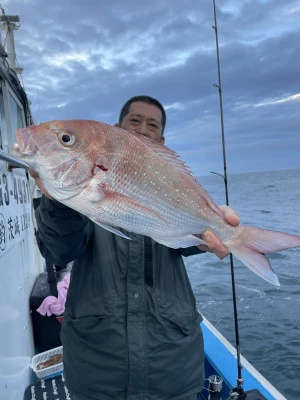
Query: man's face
144,119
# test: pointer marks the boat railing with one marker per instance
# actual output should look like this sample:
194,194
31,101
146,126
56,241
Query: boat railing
12,162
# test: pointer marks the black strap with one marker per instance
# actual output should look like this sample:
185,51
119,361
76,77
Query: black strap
52,278
148,261
51,269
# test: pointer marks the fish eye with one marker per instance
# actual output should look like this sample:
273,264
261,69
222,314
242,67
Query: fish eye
66,138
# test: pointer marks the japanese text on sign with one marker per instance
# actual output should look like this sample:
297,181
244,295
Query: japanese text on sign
15,209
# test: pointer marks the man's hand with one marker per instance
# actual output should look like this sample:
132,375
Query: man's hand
213,243
39,183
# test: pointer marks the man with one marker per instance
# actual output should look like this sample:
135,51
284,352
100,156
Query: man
131,327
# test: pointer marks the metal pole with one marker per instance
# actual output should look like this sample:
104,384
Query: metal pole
12,160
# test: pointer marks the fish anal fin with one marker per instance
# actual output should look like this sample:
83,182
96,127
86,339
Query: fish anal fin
180,242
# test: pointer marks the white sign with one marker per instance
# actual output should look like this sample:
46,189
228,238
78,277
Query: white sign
15,208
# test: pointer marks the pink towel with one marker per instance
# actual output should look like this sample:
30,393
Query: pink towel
56,305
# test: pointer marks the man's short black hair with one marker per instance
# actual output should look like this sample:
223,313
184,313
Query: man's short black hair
144,99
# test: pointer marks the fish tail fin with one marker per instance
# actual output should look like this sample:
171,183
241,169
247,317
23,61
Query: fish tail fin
251,244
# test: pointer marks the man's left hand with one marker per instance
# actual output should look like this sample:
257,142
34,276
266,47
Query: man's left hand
214,245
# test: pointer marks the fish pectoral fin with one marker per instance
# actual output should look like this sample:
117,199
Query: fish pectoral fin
110,229
180,242
130,205
59,193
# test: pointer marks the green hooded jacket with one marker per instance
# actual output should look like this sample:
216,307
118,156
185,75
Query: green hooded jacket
131,327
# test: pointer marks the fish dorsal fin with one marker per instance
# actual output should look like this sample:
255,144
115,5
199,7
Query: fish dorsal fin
170,156
164,152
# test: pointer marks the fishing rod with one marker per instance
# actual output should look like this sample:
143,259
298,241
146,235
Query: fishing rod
239,391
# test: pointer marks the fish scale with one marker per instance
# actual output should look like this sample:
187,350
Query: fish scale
153,181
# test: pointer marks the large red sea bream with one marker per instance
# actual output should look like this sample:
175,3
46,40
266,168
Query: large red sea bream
120,179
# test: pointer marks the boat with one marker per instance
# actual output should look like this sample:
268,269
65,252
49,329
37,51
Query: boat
21,265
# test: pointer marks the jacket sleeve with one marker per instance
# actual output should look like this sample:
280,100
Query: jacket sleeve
63,233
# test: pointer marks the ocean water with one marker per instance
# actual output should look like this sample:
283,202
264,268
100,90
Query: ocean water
269,318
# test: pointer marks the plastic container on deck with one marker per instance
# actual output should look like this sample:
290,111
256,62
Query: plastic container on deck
42,357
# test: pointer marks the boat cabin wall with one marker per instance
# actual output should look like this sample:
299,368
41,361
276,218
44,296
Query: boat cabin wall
20,260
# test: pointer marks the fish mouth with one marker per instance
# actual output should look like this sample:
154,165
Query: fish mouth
25,146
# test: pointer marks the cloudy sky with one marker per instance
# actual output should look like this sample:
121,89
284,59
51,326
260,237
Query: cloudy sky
84,59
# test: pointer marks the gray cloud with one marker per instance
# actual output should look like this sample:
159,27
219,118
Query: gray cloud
84,60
